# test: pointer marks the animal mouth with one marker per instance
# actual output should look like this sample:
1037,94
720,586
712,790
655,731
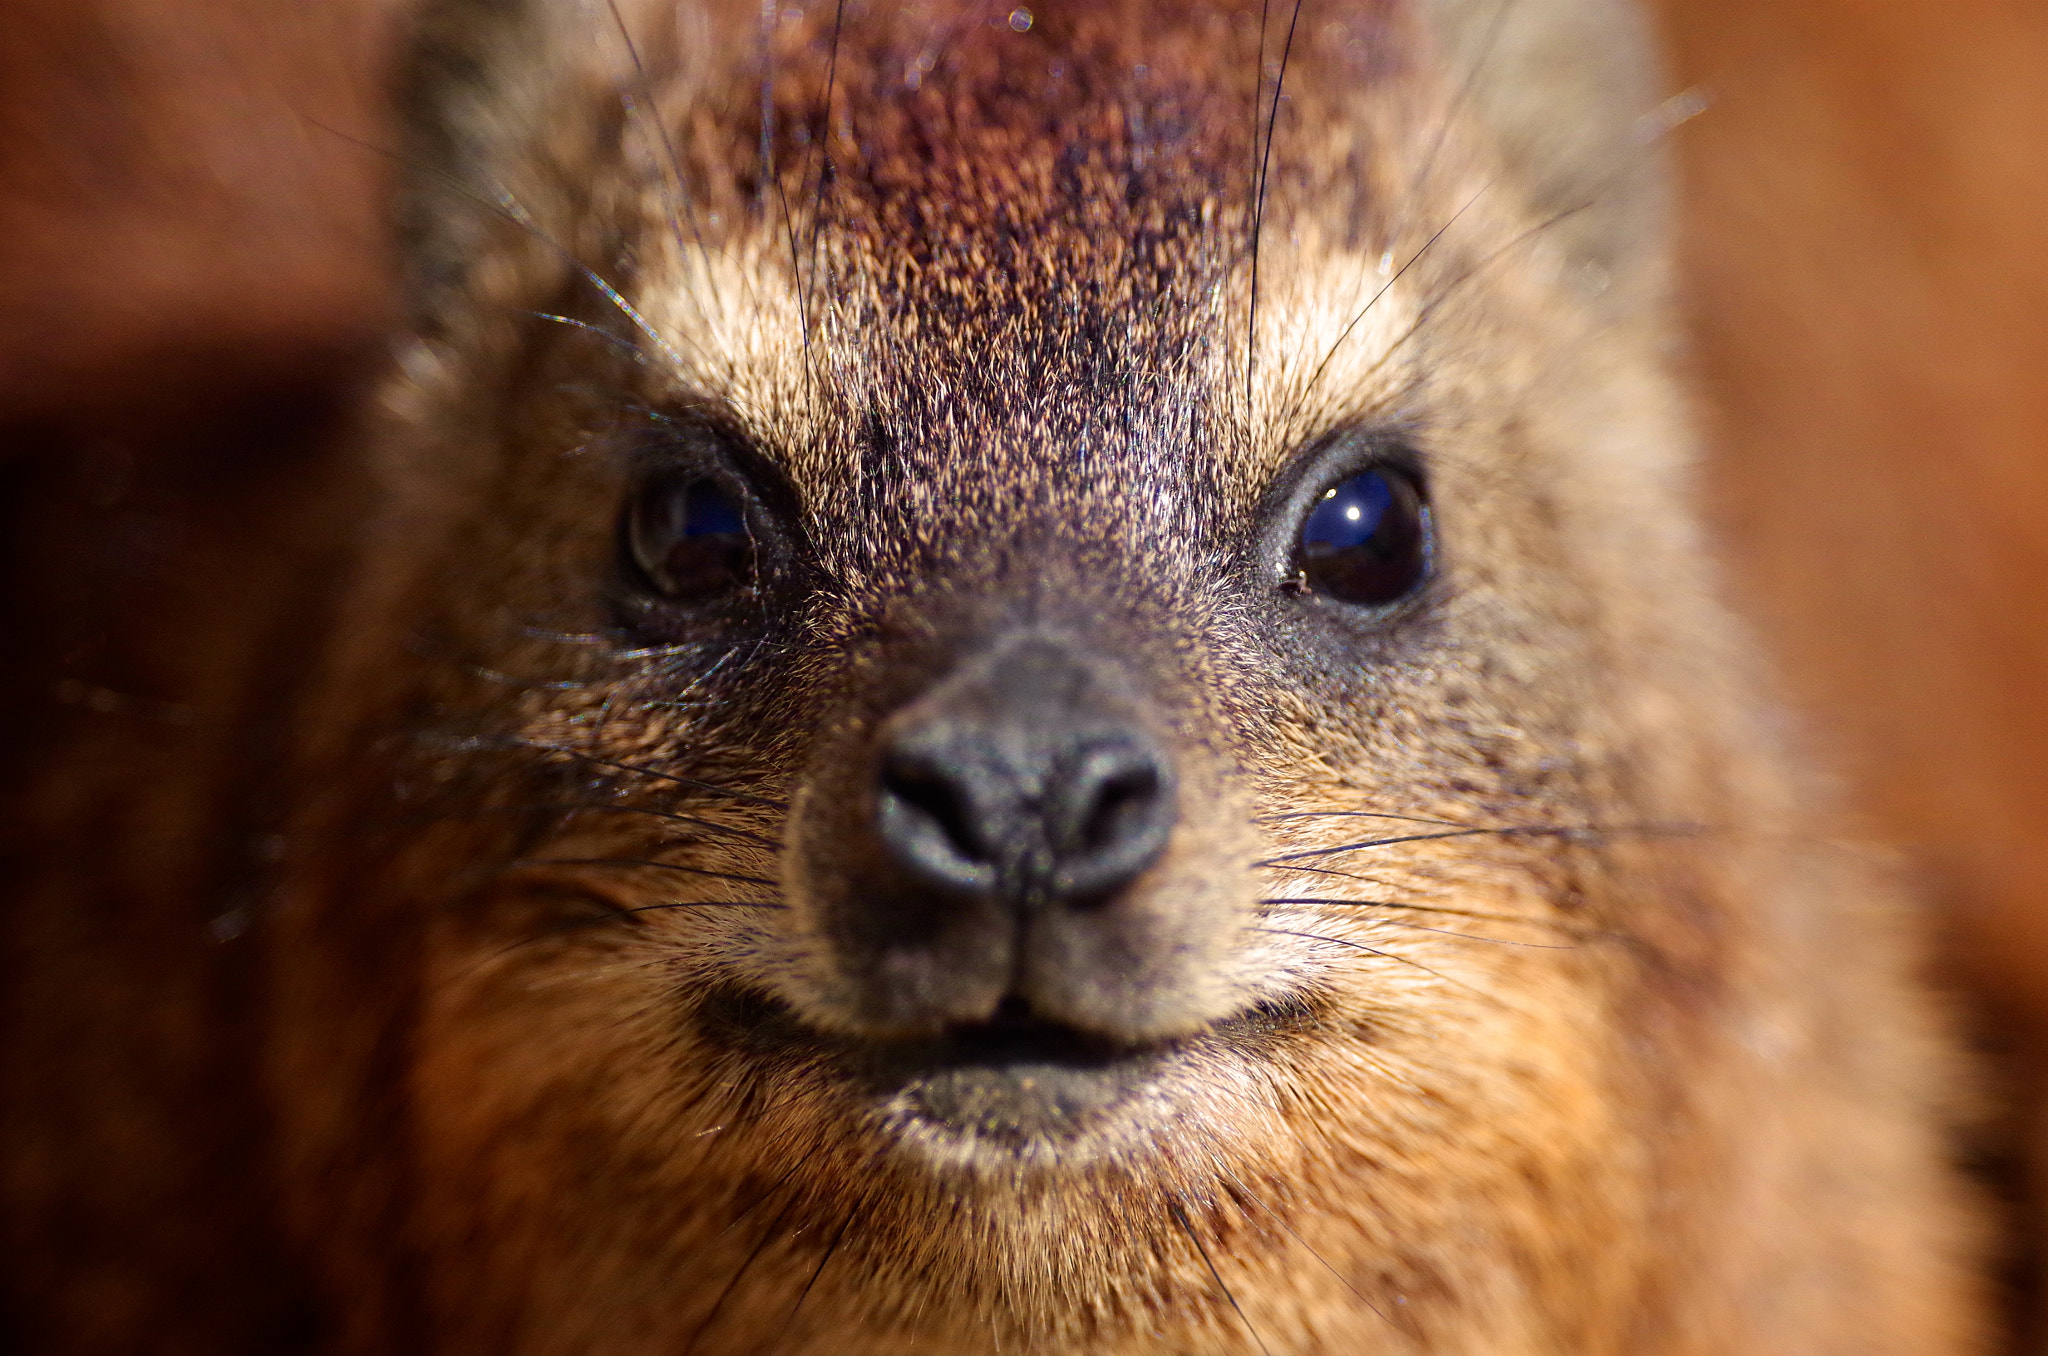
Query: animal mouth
1015,1078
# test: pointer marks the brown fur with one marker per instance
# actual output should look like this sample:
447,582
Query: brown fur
1629,1067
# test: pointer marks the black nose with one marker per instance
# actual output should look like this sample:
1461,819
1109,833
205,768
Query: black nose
1028,782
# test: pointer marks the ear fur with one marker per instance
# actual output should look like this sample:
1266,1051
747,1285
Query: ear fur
1568,90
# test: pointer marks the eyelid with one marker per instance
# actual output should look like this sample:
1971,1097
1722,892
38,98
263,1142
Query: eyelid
1320,466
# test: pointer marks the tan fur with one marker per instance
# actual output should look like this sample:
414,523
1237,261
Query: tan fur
1639,1067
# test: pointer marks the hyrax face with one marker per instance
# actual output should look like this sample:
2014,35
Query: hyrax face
1064,707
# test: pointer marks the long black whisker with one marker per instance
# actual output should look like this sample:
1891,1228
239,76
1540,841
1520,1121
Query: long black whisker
704,904
754,1255
1444,293
1426,168
766,1192
1478,914
1276,1217
1187,1226
614,807
1457,104
768,93
643,862
1306,854
1329,355
566,808
615,913
1430,308
772,176
830,1248
805,288
1252,202
1503,831
1259,203
668,148
1375,951
1423,927
1522,238
1352,814
1323,871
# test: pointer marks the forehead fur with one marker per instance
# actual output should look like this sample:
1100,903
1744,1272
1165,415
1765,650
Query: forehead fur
955,246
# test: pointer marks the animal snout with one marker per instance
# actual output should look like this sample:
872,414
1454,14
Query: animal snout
1025,788
1015,838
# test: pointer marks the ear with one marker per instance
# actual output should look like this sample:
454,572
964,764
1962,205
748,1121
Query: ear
1568,90
477,81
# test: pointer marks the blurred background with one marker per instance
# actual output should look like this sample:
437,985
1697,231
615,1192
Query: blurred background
193,289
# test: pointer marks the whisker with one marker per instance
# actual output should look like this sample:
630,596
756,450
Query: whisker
1175,1208
615,912
730,793
830,1248
503,679
1478,915
767,148
515,211
1306,854
1444,294
1321,871
1465,87
1259,201
1253,196
1423,927
1417,908
806,288
754,1115
1278,1219
643,862
746,1265
508,207
766,1192
1521,238
1383,955
1329,355
591,639
652,117
1349,814
614,807
627,346
1503,831
704,904
1258,90
771,176
567,808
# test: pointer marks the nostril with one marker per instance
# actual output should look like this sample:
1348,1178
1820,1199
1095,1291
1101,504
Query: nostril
1122,803
1116,809
926,793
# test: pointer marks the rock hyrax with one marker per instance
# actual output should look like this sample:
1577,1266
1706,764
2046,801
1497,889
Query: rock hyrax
1038,680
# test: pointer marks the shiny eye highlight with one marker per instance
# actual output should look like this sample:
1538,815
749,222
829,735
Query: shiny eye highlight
1365,540
687,537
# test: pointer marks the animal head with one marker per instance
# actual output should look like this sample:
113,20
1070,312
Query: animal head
1057,680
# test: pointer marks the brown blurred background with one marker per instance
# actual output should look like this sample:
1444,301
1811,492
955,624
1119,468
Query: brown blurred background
192,289
1866,275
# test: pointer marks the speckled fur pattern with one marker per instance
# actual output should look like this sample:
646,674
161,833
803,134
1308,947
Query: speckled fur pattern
1540,1016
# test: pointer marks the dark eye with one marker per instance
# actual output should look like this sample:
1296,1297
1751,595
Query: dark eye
1366,540
687,536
